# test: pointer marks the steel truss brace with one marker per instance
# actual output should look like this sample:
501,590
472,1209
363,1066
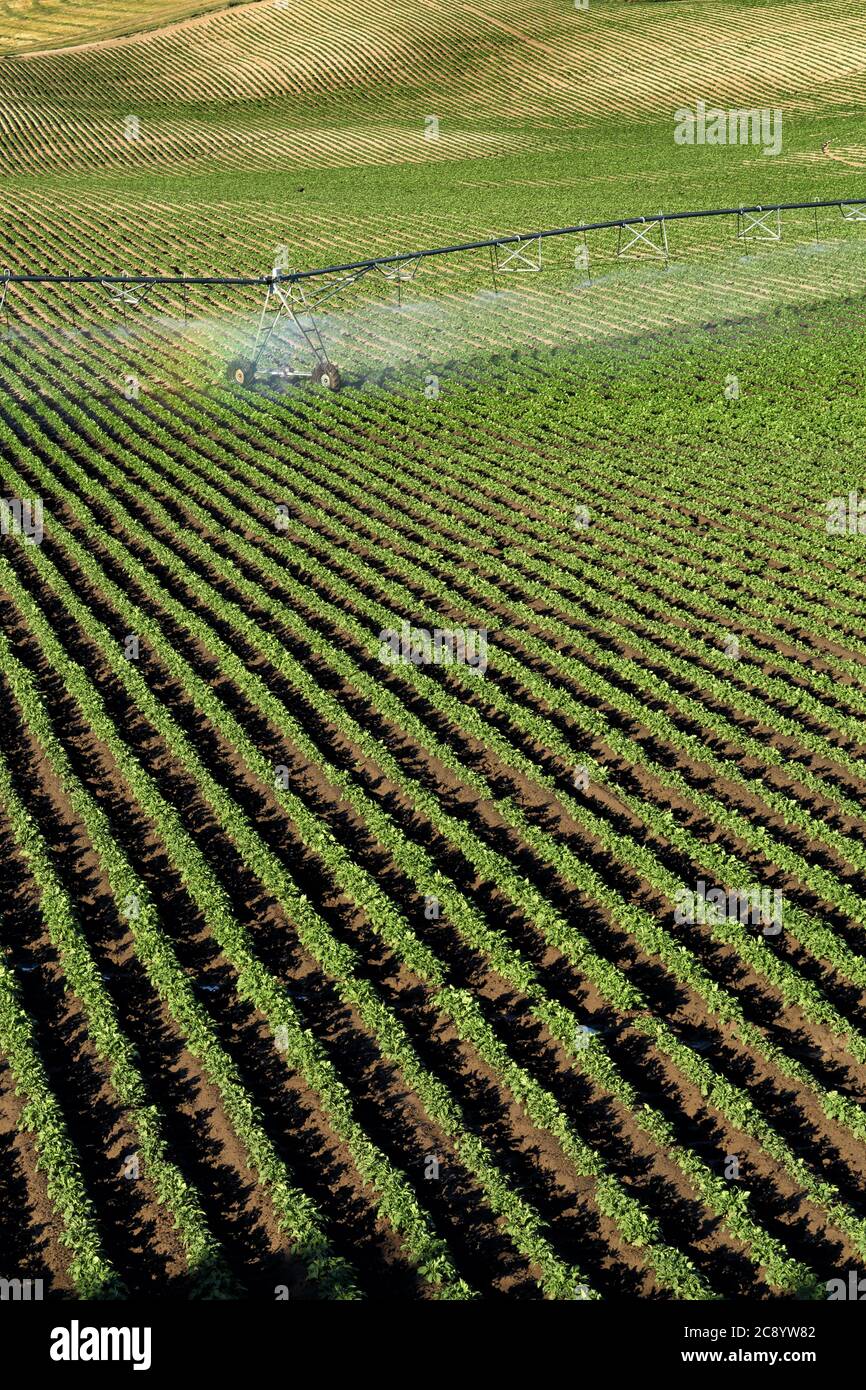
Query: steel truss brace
514,258
753,226
406,270
852,214
132,295
643,236
4,307
280,302
311,298
399,275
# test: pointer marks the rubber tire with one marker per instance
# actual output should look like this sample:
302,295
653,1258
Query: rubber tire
327,376
241,372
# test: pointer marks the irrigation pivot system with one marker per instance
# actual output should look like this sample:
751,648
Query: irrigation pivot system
297,295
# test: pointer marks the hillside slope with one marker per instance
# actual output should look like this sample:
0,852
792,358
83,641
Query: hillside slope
338,83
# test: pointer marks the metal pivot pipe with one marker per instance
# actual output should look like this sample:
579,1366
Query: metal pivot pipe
350,267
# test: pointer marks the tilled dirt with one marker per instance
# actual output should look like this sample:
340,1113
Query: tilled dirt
137,1233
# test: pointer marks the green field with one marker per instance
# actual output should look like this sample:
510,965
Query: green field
338,977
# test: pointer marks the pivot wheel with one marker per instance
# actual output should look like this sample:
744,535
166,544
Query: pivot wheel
327,375
241,371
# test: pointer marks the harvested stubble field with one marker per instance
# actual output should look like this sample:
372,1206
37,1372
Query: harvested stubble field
357,978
